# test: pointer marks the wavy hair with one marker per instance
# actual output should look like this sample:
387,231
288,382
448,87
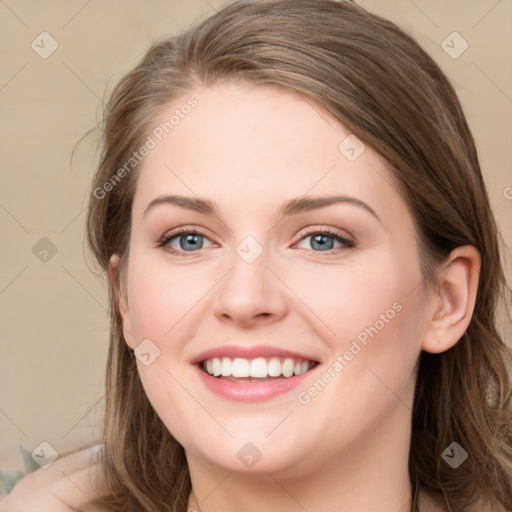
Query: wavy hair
378,82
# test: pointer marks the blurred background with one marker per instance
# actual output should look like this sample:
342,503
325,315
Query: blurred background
60,59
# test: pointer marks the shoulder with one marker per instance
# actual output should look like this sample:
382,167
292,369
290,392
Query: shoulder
67,485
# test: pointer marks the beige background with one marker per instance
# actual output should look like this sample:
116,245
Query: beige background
54,322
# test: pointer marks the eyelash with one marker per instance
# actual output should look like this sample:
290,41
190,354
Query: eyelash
349,244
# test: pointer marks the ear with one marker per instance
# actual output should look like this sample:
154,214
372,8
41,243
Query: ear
453,299
121,299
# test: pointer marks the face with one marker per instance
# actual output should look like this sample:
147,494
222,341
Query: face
309,313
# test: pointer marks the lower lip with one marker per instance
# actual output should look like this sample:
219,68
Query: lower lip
251,391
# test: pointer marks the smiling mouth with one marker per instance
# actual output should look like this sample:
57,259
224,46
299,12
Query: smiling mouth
239,369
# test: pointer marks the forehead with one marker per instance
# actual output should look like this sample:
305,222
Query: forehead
256,144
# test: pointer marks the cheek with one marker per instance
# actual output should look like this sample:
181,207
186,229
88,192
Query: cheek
350,300
161,310
369,315
160,299
377,320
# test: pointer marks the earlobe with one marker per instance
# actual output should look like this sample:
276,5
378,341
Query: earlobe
120,299
454,301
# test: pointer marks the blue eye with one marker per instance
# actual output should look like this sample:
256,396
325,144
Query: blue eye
190,241
324,241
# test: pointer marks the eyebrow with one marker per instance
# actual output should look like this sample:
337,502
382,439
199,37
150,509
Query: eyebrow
290,207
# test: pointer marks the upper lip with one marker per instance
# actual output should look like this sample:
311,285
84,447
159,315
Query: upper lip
250,352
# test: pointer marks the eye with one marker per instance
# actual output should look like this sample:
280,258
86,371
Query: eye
188,240
326,240
183,240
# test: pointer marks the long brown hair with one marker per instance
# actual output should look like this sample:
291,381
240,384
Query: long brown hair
379,83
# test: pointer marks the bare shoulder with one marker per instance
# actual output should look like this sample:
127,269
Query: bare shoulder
67,485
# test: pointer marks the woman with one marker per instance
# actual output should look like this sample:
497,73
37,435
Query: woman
304,276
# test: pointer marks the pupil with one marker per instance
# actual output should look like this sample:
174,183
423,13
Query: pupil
321,240
192,240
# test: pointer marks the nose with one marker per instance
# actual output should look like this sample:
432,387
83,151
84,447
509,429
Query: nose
250,294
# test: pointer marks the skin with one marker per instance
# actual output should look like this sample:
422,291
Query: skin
250,149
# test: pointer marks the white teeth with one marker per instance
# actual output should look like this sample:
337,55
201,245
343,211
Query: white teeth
274,367
240,368
226,367
288,365
216,366
258,368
